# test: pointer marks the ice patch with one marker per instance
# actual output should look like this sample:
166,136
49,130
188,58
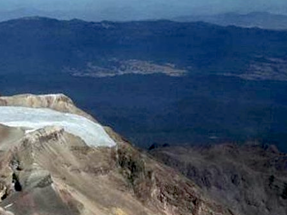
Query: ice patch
35,118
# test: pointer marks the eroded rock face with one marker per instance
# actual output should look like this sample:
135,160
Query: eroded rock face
51,171
250,179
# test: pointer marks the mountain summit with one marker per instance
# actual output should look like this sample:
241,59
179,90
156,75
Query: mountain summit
48,168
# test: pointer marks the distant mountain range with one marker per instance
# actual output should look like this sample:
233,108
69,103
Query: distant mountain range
145,47
155,81
93,14
264,20
256,19
20,13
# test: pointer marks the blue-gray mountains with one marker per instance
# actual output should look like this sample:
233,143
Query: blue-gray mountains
155,81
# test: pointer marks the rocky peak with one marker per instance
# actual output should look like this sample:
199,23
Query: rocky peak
51,171
58,102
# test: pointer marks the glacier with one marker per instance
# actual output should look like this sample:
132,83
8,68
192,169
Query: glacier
92,133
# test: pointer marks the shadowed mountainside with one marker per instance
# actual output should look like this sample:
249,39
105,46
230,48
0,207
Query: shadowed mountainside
250,179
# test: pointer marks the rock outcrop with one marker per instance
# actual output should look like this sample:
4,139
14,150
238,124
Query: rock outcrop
250,179
51,171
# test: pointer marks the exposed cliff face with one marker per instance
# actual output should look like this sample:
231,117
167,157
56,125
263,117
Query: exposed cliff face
51,171
250,179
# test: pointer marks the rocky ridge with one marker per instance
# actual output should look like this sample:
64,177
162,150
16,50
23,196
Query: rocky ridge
250,179
51,171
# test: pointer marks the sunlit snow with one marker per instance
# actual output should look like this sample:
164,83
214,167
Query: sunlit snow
35,118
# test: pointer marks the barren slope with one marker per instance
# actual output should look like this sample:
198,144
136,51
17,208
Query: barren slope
51,171
250,179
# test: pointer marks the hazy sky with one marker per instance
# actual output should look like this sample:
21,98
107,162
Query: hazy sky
149,8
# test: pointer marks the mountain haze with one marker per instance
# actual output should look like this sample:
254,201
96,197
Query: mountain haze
262,20
155,81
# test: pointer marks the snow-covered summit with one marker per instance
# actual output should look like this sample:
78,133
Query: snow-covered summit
58,102
36,118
